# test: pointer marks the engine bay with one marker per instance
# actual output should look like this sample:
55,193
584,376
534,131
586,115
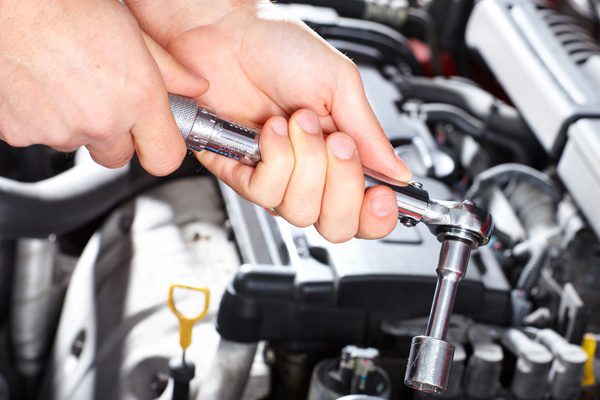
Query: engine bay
495,102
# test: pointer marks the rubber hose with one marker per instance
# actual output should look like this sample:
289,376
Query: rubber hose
499,116
474,128
345,8
533,268
505,172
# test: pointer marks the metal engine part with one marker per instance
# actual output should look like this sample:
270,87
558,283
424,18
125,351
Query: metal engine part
527,47
33,303
567,369
530,379
116,333
301,298
550,68
355,372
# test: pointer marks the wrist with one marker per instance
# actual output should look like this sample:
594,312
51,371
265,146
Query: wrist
165,20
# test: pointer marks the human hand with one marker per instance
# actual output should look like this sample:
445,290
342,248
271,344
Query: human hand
78,73
260,65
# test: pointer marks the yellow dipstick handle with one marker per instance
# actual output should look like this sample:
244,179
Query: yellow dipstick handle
589,346
186,323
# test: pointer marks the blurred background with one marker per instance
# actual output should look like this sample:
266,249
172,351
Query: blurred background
495,101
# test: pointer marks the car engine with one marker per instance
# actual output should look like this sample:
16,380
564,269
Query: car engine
496,102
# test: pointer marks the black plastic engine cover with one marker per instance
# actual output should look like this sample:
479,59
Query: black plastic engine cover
345,300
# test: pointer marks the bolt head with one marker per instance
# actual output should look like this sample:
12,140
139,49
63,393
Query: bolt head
408,222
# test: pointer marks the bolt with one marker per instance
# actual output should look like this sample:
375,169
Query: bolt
416,184
408,222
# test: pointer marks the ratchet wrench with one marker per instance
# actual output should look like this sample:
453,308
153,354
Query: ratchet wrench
459,226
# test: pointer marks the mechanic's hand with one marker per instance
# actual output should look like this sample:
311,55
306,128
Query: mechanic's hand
76,73
260,65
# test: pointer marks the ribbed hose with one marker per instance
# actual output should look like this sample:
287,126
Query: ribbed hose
470,126
537,212
501,174
534,200
391,13
499,116
532,270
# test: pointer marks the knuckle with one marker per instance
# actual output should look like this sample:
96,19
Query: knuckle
99,127
337,237
351,71
111,161
271,201
162,168
15,140
58,138
314,159
282,163
144,88
336,233
303,219
119,161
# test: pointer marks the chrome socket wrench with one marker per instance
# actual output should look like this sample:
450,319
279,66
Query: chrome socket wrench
460,227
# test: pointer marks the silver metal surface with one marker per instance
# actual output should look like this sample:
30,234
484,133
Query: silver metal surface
542,79
203,130
483,371
413,201
530,379
35,303
567,368
452,266
429,364
431,356
579,168
229,371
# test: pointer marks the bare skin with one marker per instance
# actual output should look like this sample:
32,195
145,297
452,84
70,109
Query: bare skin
265,69
78,73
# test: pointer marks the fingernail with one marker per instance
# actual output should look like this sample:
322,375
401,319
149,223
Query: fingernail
342,147
383,206
309,122
280,126
406,175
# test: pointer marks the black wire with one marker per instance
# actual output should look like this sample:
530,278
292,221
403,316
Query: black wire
423,19
475,128
345,8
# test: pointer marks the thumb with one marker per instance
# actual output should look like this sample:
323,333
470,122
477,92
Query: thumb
178,79
353,115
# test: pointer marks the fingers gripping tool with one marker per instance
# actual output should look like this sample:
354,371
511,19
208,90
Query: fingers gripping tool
459,226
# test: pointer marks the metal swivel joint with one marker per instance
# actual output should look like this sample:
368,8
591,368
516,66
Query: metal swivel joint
460,227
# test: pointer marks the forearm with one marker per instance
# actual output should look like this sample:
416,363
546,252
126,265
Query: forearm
164,20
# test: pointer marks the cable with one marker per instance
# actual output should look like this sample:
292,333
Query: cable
474,128
501,117
426,23
503,173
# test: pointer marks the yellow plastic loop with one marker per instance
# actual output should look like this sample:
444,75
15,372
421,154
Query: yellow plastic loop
589,346
186,323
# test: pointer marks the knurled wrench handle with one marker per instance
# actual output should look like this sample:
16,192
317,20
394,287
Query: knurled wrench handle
202,129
